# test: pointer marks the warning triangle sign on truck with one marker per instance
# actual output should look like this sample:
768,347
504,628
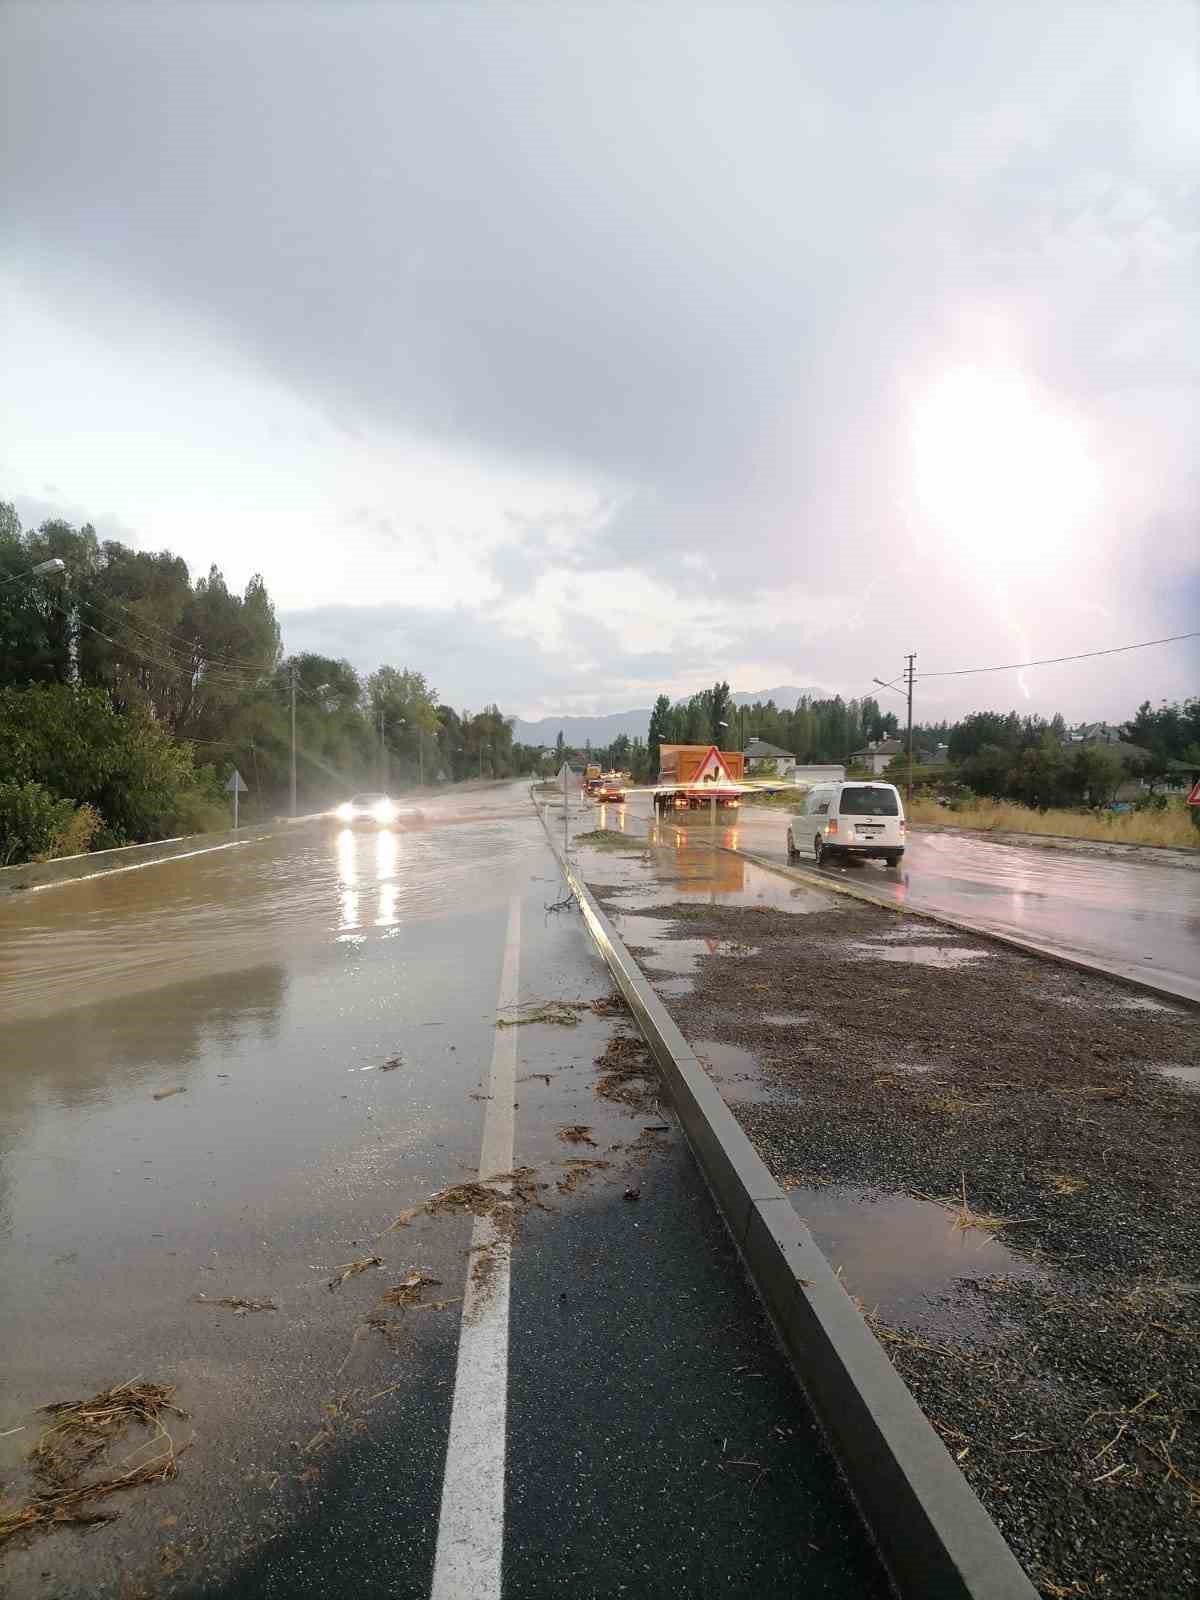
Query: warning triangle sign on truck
713,769
1193,798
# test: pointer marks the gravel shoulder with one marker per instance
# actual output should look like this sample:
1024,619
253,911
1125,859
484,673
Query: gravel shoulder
1050,1111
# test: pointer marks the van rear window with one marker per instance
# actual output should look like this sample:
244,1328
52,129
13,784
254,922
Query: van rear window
862,801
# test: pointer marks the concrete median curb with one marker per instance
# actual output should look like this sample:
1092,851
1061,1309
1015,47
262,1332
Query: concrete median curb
936,1540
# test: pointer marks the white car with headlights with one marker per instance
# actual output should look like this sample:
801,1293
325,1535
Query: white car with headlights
368,811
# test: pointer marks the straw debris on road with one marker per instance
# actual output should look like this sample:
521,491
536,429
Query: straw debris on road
628,1073
82,1433
577,1133
503,1196
238,1304
352,1269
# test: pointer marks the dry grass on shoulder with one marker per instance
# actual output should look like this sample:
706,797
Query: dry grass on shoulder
1171,827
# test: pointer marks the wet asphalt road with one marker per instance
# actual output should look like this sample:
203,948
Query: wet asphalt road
192,1103
1137,916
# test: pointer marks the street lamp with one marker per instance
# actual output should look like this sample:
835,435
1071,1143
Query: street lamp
43,569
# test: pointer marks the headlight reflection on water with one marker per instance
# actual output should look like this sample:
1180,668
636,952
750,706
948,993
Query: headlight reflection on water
347,865
387,851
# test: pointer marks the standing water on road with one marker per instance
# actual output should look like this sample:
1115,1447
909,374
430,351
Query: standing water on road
250,1114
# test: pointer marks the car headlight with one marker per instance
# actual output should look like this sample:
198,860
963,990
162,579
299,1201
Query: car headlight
384,811
346,812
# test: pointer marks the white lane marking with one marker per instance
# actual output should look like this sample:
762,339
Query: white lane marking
140,866
470,1544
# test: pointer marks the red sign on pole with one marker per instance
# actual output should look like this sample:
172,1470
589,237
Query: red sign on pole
1194,796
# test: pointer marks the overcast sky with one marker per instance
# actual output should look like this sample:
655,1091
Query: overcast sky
574,353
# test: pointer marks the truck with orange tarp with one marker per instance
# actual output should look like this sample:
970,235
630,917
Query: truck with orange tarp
695,776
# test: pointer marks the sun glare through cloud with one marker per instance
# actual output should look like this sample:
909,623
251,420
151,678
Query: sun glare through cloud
1003,476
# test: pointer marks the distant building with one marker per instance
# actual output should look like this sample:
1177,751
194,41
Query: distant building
760,754
936,757
877,755
1094,733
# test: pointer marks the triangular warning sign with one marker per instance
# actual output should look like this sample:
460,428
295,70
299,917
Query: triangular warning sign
1193,798
713,769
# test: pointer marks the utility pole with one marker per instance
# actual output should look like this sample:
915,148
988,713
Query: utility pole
421,754
292,684
382,754
908,673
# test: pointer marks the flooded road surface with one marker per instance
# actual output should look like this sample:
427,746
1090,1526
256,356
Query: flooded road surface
223,1079
1137,917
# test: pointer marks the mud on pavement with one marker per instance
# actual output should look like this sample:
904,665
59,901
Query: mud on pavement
1004,1157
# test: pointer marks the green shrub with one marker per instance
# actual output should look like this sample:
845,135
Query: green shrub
34,826
73,741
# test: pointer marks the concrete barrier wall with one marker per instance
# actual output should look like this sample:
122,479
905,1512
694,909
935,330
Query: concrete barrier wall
37,874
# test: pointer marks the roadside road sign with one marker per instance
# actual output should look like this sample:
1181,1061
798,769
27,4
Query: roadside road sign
1194,796
237,785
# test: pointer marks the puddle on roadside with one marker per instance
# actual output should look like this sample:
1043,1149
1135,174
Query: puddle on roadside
921,955
734,1070
675,988
785,1019
897,1252
698,874
673,955
1182,1074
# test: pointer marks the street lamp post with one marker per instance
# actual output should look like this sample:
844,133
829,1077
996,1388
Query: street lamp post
43,569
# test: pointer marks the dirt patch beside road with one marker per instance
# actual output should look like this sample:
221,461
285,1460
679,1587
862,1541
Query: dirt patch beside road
1045,1108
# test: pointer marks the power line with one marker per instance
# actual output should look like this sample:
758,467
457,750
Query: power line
148,627
218,678
1052,661
250,673
163,655
215,677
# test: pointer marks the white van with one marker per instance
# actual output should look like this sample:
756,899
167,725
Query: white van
849,819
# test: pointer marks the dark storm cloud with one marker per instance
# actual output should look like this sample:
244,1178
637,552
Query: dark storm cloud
690,256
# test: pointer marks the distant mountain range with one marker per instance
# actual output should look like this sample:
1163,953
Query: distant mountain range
601,731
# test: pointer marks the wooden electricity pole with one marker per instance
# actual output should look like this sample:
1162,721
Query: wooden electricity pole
908,674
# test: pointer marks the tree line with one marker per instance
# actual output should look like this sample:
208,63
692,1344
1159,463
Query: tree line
814,730
1004,756
130,691
1000,755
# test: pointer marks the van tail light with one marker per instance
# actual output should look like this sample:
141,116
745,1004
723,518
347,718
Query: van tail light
831,828
903,827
